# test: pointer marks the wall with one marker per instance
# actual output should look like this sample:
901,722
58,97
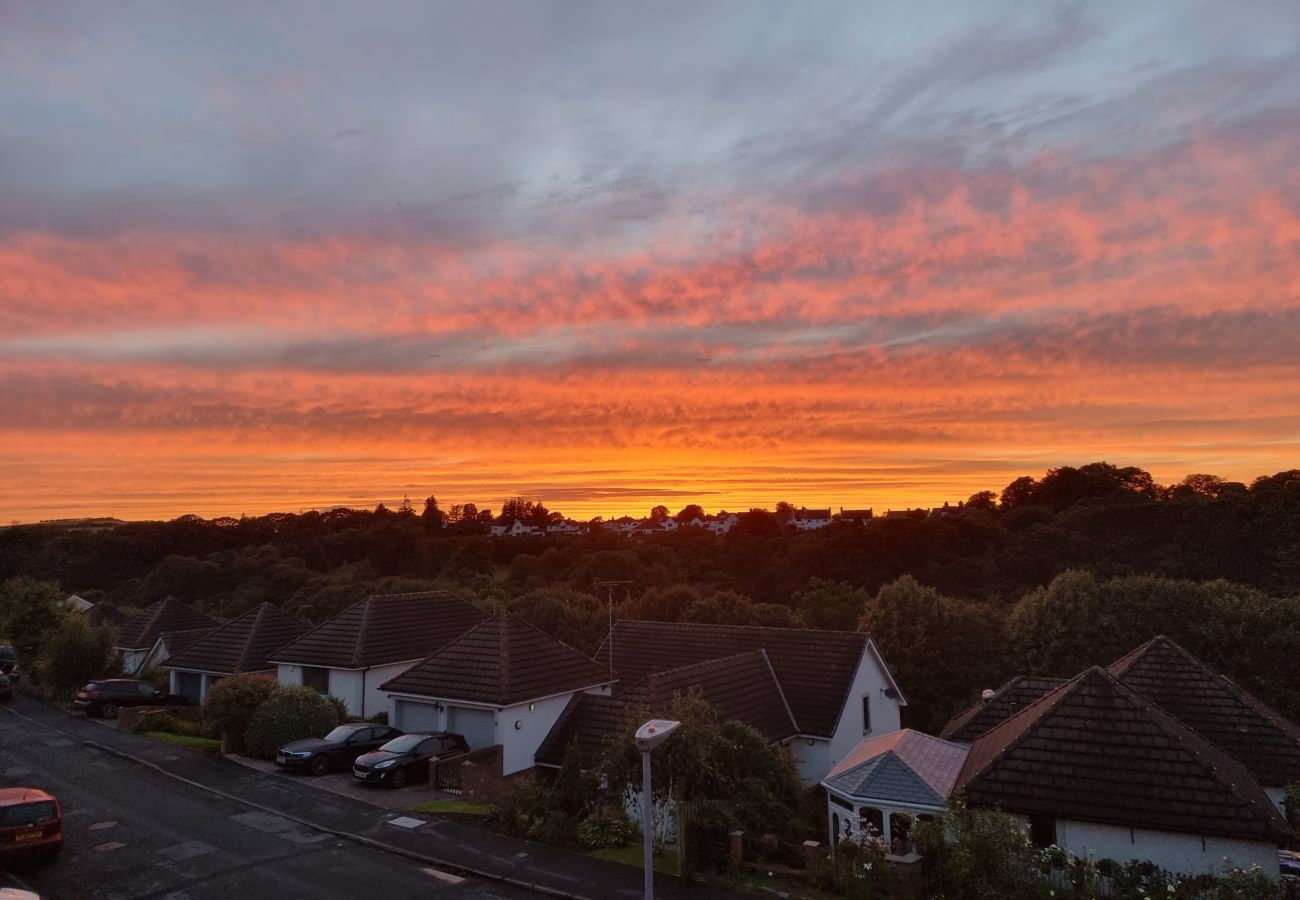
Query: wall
812,761
376,701
131,660
1181,853
1278,796
520,745
867,682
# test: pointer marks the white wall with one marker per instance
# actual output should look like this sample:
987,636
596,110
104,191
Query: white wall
1278,796
131,660
346,684
519,745
375,700
1187,854
813,761
867,682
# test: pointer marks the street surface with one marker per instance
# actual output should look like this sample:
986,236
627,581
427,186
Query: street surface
134,834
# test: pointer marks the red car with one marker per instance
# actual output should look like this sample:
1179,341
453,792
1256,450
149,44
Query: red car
31,824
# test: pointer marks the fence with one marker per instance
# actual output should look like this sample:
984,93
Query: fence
447,776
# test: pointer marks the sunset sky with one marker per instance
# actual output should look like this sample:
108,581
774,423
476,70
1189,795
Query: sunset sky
278,255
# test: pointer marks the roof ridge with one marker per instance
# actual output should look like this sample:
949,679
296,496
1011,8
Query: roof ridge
260,609
358,647
705,662
779,689
503,645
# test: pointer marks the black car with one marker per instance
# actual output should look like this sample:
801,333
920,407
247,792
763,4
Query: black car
407,757
9,663
6,688
105,697
336,750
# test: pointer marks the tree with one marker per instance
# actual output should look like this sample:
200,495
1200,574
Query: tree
688,512
75,653
229,706
659,513
291,712
31,612
432,516
982,500
832,605
1019,492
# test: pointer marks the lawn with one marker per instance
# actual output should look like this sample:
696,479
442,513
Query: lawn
634,855
462,807
202,744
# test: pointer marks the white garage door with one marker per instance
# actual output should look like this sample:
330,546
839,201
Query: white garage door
413,716
476,724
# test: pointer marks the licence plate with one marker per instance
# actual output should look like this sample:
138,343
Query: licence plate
28,836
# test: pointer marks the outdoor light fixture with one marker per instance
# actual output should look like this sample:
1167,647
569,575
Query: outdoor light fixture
532,707
891,693
518,724
649,736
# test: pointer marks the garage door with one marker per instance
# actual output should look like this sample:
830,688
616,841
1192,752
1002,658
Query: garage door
412,716
476,724
189,685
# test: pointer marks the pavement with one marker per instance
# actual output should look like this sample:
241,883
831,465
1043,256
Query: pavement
294,806
343,784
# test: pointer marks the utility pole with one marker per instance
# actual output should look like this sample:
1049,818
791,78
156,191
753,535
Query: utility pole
596,585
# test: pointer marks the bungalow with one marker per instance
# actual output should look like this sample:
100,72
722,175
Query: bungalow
1097,769
170,643
722,523
239,647
856,516
137,635
567,526
835,684
350,655
514,529
502,682
811,519
886,781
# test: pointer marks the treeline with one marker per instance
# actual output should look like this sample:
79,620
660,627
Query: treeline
985,562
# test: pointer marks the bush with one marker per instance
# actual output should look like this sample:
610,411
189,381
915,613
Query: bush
379,718
165,724
74,653
340,707
606,828
230,704
291,712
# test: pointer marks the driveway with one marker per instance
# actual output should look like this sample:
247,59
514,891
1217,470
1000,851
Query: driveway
343,784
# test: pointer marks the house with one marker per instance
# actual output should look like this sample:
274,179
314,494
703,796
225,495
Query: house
918,513
74,603
811,519
856,516
722,523
137,635
170,643
835,683
997,706
503,682
238,647
1099,770
1213,706
743,688
947,511
887,780
567,526
350,655
515,529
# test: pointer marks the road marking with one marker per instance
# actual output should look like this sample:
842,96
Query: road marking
187,850
441,875
100,826
111,845
406,822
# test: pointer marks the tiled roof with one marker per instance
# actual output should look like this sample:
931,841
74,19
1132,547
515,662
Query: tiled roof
141,630
906,766
593,719
1008,700
385,628
1096,751
741,687
242,645
501,661
1215,708
814,668
176,641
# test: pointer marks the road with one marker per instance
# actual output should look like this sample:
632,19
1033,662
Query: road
134,834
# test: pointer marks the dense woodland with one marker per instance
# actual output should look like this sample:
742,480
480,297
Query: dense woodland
1049,575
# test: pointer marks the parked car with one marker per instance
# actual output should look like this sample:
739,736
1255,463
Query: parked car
337,750
407,757
6,692
106,696
9,662
31,825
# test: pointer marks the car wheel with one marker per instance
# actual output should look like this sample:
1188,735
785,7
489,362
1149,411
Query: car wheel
108,711
319,765
397,779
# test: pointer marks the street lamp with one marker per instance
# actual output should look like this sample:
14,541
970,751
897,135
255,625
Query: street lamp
649,736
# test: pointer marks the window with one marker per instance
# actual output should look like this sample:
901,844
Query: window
1042,830
316,678
27,813
146,690
866,714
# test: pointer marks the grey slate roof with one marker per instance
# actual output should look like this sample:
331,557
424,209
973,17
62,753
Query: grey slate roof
1097,751
382,629
144,628
242,645
814,668
500,661
904,766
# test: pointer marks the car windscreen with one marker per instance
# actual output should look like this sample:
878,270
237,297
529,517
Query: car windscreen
341,734
27,813
404,743
7,653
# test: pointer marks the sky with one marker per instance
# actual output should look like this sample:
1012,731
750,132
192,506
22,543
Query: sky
272,256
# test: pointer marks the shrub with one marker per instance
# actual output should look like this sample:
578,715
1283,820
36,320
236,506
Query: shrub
379,718
289,713
606,828
165,724
74,653
340,707
230,704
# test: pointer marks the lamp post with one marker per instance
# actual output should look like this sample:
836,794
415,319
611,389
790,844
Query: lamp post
649,736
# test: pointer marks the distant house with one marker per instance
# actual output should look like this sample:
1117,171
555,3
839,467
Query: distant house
350,655
947,511
722,523
501,682
514,529
856,516
567,526
137,635
74,603
811,519
834,685
1099,770
887,780
906,513
238,647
